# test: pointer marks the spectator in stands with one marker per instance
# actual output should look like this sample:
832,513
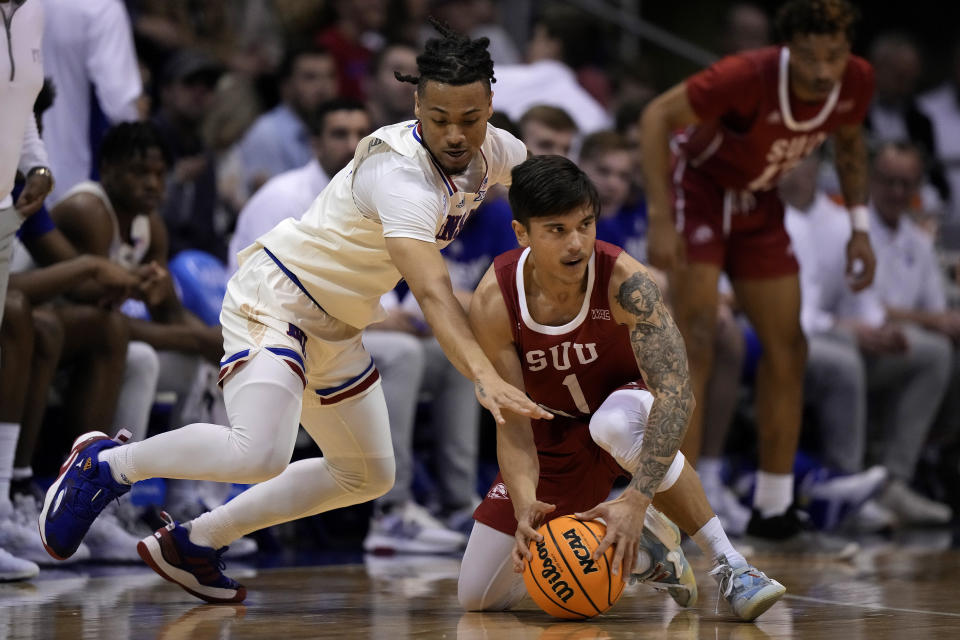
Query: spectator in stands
943,108
279,140
21,77
388,99
118,218
895,113
562,41
189,206
856,349
353,38
547,130
86,45
745,26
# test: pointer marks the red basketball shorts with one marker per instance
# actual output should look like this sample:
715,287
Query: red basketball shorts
741,232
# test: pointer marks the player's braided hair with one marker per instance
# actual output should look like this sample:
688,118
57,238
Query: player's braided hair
799,17
452,59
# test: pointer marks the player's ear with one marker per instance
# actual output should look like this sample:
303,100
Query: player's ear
523,238
416,104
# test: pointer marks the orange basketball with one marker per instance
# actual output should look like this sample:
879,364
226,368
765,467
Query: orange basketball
563,579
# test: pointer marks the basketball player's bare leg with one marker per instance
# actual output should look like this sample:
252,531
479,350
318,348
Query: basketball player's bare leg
773,307
694,290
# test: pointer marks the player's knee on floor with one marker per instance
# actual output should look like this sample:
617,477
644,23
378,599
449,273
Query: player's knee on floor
476,595
366,478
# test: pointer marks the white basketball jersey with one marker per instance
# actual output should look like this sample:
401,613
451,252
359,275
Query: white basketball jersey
393,188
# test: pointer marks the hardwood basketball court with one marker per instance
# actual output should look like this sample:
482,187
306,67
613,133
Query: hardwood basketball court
903,591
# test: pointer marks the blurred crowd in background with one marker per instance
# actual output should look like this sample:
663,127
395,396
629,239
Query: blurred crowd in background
179,131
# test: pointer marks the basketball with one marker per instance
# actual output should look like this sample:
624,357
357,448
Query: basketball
562,577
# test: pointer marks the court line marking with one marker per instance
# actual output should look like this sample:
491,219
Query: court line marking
876,607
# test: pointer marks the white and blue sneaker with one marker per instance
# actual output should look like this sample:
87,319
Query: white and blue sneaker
669,569
78,495
198,570
747,589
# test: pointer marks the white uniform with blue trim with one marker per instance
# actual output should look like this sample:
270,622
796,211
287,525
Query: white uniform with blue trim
307,288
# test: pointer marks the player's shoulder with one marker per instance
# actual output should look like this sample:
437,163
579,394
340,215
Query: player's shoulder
747,65
858,75
83,205
488,308
503,147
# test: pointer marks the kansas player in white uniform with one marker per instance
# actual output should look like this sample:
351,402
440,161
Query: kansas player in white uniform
292,321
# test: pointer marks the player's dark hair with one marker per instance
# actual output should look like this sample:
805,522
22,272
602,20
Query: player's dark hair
317,119
800,17
550,185
130,140
899,146
453,59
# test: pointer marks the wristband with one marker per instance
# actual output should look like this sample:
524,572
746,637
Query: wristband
860,219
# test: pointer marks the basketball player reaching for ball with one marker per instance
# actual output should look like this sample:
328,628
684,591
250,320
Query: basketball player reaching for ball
581,326
292,321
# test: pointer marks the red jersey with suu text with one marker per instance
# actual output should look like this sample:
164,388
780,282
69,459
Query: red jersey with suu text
570,369
752,128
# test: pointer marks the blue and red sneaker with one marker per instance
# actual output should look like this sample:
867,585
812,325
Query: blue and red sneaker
78,495
198,570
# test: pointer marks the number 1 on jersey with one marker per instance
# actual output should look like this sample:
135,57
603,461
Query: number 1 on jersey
573,385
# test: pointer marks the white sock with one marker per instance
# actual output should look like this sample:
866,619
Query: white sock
212,529
773,494
120,461
9,432
643,562
713,541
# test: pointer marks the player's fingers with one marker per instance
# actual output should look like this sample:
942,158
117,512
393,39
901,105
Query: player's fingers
618,560
591,514
528,533
629,558
518,560
603,546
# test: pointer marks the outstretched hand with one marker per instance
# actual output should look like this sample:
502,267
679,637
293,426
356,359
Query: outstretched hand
496,395
529,520
624,520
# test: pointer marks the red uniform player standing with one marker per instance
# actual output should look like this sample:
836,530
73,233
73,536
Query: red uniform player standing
746,120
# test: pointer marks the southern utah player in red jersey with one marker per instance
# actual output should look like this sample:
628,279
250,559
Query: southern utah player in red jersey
746,120
581,326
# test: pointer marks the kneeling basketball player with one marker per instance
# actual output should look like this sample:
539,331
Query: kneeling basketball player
581,326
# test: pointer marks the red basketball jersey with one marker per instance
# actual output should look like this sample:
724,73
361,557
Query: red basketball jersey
571,369
752,128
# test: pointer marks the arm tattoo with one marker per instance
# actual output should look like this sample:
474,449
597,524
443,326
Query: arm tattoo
851,163
662,358
480,391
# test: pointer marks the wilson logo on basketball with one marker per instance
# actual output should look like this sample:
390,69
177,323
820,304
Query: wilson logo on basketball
552,575
580,551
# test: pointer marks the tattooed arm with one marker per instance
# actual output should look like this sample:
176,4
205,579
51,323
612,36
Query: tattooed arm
662,358
658,347
851,163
